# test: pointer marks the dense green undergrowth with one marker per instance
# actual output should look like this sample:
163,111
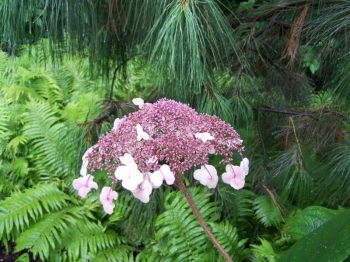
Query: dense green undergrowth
297,189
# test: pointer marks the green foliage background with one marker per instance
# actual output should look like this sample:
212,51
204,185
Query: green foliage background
276,70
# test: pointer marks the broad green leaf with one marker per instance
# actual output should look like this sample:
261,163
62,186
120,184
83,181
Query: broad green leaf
329,242
308,220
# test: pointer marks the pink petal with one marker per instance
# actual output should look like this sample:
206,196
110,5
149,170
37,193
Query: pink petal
83,170
234,176
226,177
122,172
204,136
156,179
84,191
139,102
237,184
106,197
117,123
92,184
211,177
129,184
198,174
140,133
143,191
245,165
169,176
108,208
127,160
79,182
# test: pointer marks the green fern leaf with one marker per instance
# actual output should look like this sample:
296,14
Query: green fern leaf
227,236
266,211
45,235
20,210
54,150
178,231
263,252
87,239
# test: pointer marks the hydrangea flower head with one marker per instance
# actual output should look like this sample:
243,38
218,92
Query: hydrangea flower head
159,143
170,132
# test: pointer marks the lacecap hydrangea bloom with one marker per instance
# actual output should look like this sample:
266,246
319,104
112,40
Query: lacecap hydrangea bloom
158,143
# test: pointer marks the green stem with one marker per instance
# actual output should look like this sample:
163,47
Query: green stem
195,211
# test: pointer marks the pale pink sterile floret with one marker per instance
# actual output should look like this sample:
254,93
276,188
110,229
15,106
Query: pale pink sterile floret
129,175
117,123
204,136
245,165
84,185
127,160
139,102
167,174
140,133
106,197
156,179
83,170
207,176
143,191
234,176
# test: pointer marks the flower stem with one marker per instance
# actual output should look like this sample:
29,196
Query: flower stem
195,211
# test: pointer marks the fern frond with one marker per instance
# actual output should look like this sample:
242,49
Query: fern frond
263,252
22,209
87,239
45,236
236,205
228,238
266,211
53,149
178,232
4,119
122,209
116,253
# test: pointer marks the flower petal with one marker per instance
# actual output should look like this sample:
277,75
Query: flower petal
143,191
140,133
234,176
84,191
117,123
83,170
139,102
212,176
106,197
245,165
127,160
122,172
237,184
168,176
79,183
207,176
129,184
204,136
156,179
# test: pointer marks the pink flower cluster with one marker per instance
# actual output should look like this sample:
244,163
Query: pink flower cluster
157,143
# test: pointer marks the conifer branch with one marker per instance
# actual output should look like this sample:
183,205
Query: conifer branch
201,221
